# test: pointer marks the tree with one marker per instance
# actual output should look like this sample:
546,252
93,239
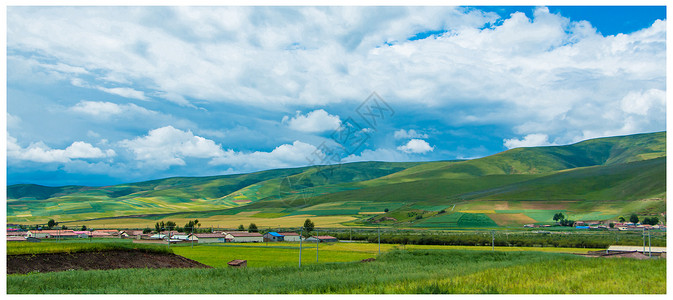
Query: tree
252,228
559,217
651,221
309,225
241,227
634,218
612,225
566,222
51,223
386,210
63,227
147,230
654,220
159,226
170,225
83,228
621,219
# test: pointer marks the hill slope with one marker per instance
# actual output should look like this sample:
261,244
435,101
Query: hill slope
597,178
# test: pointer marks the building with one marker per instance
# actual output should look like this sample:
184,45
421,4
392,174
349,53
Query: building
290,236
16,238
205,238
51,234
245,237
82,234
273,237
658,251
322,239
184,237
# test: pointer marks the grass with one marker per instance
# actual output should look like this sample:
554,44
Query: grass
418,271
16,248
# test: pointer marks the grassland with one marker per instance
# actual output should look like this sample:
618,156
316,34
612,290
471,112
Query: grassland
399,271
598,179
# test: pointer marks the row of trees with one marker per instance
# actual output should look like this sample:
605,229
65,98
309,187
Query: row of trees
561,219
308,227
634,219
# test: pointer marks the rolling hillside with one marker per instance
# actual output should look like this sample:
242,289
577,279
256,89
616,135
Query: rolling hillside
594,179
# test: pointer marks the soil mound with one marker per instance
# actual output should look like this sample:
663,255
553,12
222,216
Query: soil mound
102,260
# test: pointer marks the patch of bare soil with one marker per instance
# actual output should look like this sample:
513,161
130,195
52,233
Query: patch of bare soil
104,260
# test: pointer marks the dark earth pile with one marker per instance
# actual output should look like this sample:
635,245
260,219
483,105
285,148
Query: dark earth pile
103,260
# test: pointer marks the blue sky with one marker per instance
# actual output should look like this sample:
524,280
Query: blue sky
100,96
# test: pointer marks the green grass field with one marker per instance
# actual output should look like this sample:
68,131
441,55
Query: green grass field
398,271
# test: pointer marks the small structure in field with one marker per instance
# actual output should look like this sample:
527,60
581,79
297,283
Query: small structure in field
273,237
322,239
238,263
290,236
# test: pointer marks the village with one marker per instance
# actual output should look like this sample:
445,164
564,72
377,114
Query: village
173,237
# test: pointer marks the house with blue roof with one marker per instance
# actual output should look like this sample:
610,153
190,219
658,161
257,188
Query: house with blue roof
273,236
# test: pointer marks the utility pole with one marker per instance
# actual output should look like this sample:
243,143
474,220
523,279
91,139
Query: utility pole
379,231
492,240
643,240
317,241
649,242
301,232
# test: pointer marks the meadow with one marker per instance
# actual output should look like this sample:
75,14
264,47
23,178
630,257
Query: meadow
397,271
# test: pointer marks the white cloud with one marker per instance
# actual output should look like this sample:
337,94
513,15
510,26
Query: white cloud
380,154
104,109
416,146
167,146
315,121
531,140
124,92
411,134
13,121
39,152
286,155
641,103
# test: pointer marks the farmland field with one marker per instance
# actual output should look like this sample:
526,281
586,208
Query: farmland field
397,271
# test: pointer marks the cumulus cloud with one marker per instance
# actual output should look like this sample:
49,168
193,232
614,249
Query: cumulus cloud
102,108
641,103
315,121
416,146
536,69
286,155
167,146
39,152
531,140
411,134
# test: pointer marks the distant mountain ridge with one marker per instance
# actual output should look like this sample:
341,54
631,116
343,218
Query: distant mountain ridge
608,172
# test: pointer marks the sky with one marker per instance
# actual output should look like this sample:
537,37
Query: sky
108,95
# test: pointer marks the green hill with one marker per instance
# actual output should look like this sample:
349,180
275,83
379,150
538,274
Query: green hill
595,179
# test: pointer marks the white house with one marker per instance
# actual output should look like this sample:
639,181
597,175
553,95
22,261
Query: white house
290,236
245,237
211,238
